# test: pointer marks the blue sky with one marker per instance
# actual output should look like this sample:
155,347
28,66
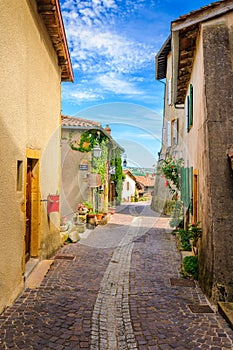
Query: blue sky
113,44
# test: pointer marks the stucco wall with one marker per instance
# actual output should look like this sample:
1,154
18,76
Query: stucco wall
161,199
74,186
216,254
127,193
29,116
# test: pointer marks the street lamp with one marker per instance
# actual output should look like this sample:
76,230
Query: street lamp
125,161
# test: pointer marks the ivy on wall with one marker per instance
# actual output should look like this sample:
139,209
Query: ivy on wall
119,176
99,164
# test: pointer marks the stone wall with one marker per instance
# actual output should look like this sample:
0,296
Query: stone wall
216,250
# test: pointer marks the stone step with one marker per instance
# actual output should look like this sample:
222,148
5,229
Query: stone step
226,310
38,274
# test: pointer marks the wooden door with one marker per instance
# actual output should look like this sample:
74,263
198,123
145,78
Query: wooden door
32,209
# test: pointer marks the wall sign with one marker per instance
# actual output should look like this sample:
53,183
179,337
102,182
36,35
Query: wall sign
83,166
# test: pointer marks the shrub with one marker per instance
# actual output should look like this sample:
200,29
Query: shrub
190,267
184,242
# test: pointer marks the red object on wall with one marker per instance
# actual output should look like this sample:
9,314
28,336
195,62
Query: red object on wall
52,203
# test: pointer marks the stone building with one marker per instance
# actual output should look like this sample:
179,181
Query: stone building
202,84
34,60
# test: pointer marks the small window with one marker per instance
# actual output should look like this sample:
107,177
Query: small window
19,175
169,92
127,185
175,132
169,136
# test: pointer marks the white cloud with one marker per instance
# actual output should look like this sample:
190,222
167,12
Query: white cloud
117,84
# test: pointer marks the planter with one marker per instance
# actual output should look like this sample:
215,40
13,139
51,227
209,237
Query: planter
89,216
82,217
99,216
80,227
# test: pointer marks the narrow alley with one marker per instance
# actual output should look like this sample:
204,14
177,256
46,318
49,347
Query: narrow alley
119,287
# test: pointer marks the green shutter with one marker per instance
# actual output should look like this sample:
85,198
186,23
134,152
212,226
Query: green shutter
187,186
190,106
182,184
187,113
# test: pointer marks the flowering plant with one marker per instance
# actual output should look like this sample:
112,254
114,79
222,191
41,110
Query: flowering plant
81,207
170,168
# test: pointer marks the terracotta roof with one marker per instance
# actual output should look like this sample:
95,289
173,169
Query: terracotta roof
146,181
78,122
127,172
85,124
50,13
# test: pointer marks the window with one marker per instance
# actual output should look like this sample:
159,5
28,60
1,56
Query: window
175,132
19,175
127,185
169,92
169,143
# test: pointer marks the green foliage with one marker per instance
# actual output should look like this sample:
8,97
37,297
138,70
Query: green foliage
87,141
194,232
184,242
170,168
119,176
190,267
100,163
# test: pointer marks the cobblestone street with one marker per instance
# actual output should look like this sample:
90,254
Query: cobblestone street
119,287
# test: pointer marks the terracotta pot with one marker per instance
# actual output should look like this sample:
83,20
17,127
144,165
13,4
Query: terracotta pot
99,216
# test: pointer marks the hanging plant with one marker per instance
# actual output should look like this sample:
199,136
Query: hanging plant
87,141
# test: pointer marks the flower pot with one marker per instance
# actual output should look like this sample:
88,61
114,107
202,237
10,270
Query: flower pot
99,216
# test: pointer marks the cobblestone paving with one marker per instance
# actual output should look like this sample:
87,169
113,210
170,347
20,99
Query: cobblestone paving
115,294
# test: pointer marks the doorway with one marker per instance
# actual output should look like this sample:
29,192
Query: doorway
32,209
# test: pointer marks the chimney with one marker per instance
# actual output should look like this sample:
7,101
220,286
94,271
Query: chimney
108,129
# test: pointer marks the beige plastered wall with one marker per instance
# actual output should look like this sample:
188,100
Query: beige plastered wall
195,150
29,119
162,197
74,182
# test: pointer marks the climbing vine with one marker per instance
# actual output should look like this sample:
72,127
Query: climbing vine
119,176
100,163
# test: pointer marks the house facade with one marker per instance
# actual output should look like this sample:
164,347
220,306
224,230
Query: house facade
173,129
202,84
34,60
129,186
86,178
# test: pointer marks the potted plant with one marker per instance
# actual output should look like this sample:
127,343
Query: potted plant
194,233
